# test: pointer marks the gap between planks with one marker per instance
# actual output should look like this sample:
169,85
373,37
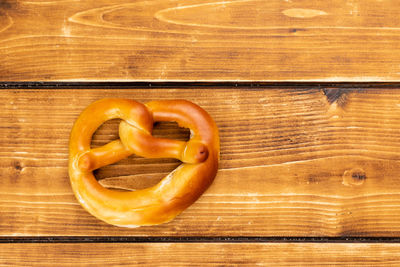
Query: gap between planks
194,84
194,239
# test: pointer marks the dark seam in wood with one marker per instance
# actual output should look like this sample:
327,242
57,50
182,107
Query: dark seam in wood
191,239
254,85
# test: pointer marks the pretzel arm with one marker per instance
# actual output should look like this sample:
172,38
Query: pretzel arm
99,157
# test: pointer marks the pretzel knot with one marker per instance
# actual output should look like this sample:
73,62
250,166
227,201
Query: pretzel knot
173,194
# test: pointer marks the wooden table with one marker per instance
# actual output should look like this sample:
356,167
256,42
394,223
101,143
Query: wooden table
306,96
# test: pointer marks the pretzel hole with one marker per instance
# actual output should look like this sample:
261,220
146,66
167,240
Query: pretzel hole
135,172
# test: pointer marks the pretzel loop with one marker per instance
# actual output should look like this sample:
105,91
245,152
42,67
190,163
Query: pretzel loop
173,194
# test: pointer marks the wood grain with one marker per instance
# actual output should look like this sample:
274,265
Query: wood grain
198,40
292,163
200,254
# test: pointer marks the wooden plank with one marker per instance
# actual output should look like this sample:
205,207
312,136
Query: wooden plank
201,254
169,40
292,163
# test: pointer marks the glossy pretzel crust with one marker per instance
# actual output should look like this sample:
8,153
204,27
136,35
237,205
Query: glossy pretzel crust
174,193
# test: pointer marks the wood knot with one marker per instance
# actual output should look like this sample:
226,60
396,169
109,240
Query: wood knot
18,166
18,170
336,99
336,95
355,176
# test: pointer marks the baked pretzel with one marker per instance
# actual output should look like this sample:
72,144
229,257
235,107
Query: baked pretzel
174,193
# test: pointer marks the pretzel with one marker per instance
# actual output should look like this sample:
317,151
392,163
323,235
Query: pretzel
174,193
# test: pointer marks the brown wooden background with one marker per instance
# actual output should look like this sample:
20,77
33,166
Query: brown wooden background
306,95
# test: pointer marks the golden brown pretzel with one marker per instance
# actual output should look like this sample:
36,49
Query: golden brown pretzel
178,190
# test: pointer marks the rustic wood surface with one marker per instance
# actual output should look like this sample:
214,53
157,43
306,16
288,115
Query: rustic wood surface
201,254
293,163
310,162
169,40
